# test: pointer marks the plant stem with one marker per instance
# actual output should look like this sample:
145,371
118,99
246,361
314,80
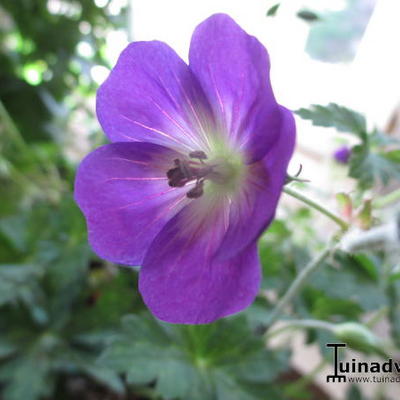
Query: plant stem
299,196
302,323
298,283
390,198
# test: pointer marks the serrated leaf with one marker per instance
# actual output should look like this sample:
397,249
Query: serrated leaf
191,361
339,117
370,168
77,360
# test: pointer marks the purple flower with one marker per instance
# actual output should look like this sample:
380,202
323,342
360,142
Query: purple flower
342,155
194,172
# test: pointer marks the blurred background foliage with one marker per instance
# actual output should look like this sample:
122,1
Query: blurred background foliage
335,40
73,326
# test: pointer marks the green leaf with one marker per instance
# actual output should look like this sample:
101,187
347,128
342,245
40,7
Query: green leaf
370,168
352,282
66,278
368,163
228,388
114,296
193,362
26,377
308,16
105,376
325,307
85,363
339,117
17,281
147,353
14,228
393,156
273,10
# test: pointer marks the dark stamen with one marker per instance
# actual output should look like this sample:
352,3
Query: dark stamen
199,154
176,178
196,192
186,171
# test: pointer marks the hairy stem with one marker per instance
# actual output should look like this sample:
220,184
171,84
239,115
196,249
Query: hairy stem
313,204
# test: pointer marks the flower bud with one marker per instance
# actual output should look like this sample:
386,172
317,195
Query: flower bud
342,155
357,336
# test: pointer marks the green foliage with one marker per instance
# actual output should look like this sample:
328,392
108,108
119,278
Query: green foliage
371,162
222,360
394,309
66,315
333,115
44,45
359,337
369,167
356,280
273,10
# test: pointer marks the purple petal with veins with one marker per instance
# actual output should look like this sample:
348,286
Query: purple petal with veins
124,193
194,173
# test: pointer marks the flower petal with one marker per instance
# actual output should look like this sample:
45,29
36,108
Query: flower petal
152,96
254,208
181,282
123,191
233,70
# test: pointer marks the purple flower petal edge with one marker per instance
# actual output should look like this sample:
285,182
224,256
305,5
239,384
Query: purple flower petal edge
152,96
233,70
123,192
181,282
